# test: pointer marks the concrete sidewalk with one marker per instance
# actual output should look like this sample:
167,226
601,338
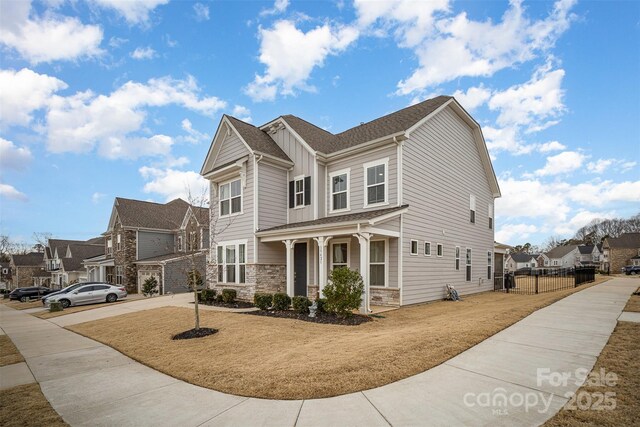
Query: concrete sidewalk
91,384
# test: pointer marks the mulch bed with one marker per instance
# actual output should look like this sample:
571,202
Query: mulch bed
237,304
193,333
332,319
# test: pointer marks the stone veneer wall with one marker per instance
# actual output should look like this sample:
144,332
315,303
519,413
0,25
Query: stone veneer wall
619,258
23,276
385,296
126,257
260,278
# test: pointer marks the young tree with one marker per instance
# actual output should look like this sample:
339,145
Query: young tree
150,287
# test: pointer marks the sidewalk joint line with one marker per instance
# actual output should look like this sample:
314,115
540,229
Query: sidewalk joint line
295,423
228,409
376,408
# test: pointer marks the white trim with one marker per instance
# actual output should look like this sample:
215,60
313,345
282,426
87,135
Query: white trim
356,149
456,258
293,132
296,192
439,248
468,258
399,160
340,242
490,263
400,257
230,214
386,261
425,248
330,183
384,161
236,244
411,247
256,205
427,118
314,187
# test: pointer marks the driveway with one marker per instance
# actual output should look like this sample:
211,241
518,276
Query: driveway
91,384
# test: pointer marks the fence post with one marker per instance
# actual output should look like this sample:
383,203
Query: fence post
537,284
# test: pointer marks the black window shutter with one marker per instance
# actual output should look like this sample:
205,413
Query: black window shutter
307,190
292,194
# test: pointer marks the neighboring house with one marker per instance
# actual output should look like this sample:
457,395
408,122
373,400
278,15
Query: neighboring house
589,255
24,268
5,275
516,261
63,259
618,252
561,257
406,199
500,254
147,239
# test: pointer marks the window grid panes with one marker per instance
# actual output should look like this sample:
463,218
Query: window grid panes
468,261
339,191
339,255
457,258
299,192
377,263
489,264
376,181
231,198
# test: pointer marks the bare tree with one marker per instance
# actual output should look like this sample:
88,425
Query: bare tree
41,239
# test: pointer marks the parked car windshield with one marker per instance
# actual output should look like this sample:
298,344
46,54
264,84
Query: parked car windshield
71,287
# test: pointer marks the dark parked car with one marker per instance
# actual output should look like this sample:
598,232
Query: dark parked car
632,269
25,294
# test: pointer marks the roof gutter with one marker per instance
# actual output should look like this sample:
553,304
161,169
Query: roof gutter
394,137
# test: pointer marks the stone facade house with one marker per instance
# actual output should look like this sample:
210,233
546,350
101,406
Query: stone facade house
618,252
147,239
5,275
406,199
63,259
24,268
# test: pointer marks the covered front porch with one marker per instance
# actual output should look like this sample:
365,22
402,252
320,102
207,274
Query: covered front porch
366,242
99,269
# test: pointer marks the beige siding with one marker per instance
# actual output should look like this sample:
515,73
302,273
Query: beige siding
321,191
303,166
357,178
272,206
441,169
232,148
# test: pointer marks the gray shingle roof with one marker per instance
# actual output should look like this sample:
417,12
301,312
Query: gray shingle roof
171,256
31,259
136,213
257,139
521,256
79,252
560,251
625,241
585,249
359,216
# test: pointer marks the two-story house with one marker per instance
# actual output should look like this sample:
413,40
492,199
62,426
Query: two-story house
24,268
518,260
589,255
618,252
561,257
406,199
146,239
63,259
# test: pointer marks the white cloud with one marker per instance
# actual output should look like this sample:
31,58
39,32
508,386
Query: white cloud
194,136
13,157
242,113
143,53
171,183
10,192
97,197
510,233
134,12
551,146
565,162
505,139
473,97
202,12
600,165
24,91
77,123
279,6
579,220
531,198
116,42
46,38
290,55
461,47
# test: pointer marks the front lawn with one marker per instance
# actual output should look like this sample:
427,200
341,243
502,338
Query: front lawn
290,359
22,305
9,354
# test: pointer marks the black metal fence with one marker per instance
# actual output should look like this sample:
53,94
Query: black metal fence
541,280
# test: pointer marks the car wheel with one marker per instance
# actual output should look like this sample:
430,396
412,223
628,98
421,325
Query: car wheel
112,298
65,303
24,299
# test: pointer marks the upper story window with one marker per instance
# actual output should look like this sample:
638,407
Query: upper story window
339,182
179,243
376,183
109,246
231,198
472,209
119,242
300,192
193,242
490,213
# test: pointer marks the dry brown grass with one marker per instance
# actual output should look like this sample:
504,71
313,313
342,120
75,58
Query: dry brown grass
21,305
527,284
9,354
25,405
633,304
291,359
620,356
49,314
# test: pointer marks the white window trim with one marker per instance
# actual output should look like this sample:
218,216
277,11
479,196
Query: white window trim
229,215
456,255
386,260
331,176
236,244
472,208
440,245
411,247
468,262
180,244
490,215
119,242
425,249
295,202
366,166
338,242
490,263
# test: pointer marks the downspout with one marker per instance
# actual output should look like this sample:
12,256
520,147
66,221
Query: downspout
400,198
255,207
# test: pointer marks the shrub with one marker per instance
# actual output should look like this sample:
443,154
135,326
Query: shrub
343,292
281,301
150,287
219,299
300,304
207,296
229,296
320,303
55,306
263,301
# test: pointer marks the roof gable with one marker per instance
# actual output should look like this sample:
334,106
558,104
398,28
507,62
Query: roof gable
561,251
156,216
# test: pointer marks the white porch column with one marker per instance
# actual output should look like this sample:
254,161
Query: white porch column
363,239
322,261
290,244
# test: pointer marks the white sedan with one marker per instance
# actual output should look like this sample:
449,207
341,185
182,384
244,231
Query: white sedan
89,294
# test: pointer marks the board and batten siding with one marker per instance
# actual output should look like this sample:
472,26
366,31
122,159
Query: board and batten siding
175,273
304,163
151,244
240,226
272,210
357,178
441,169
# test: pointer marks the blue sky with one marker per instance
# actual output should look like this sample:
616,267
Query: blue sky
107,98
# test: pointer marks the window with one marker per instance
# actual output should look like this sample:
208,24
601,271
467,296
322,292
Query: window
439,249
457,258
472,209
339,182
119,275
109,246
84,289
231,198
339,255
377,263
299,192
468,265
231,259
119,242
376,182
193,242
490,213
414,247
180,243
427,248
489,264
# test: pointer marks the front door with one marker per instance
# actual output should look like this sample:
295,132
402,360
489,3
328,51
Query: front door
300,269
